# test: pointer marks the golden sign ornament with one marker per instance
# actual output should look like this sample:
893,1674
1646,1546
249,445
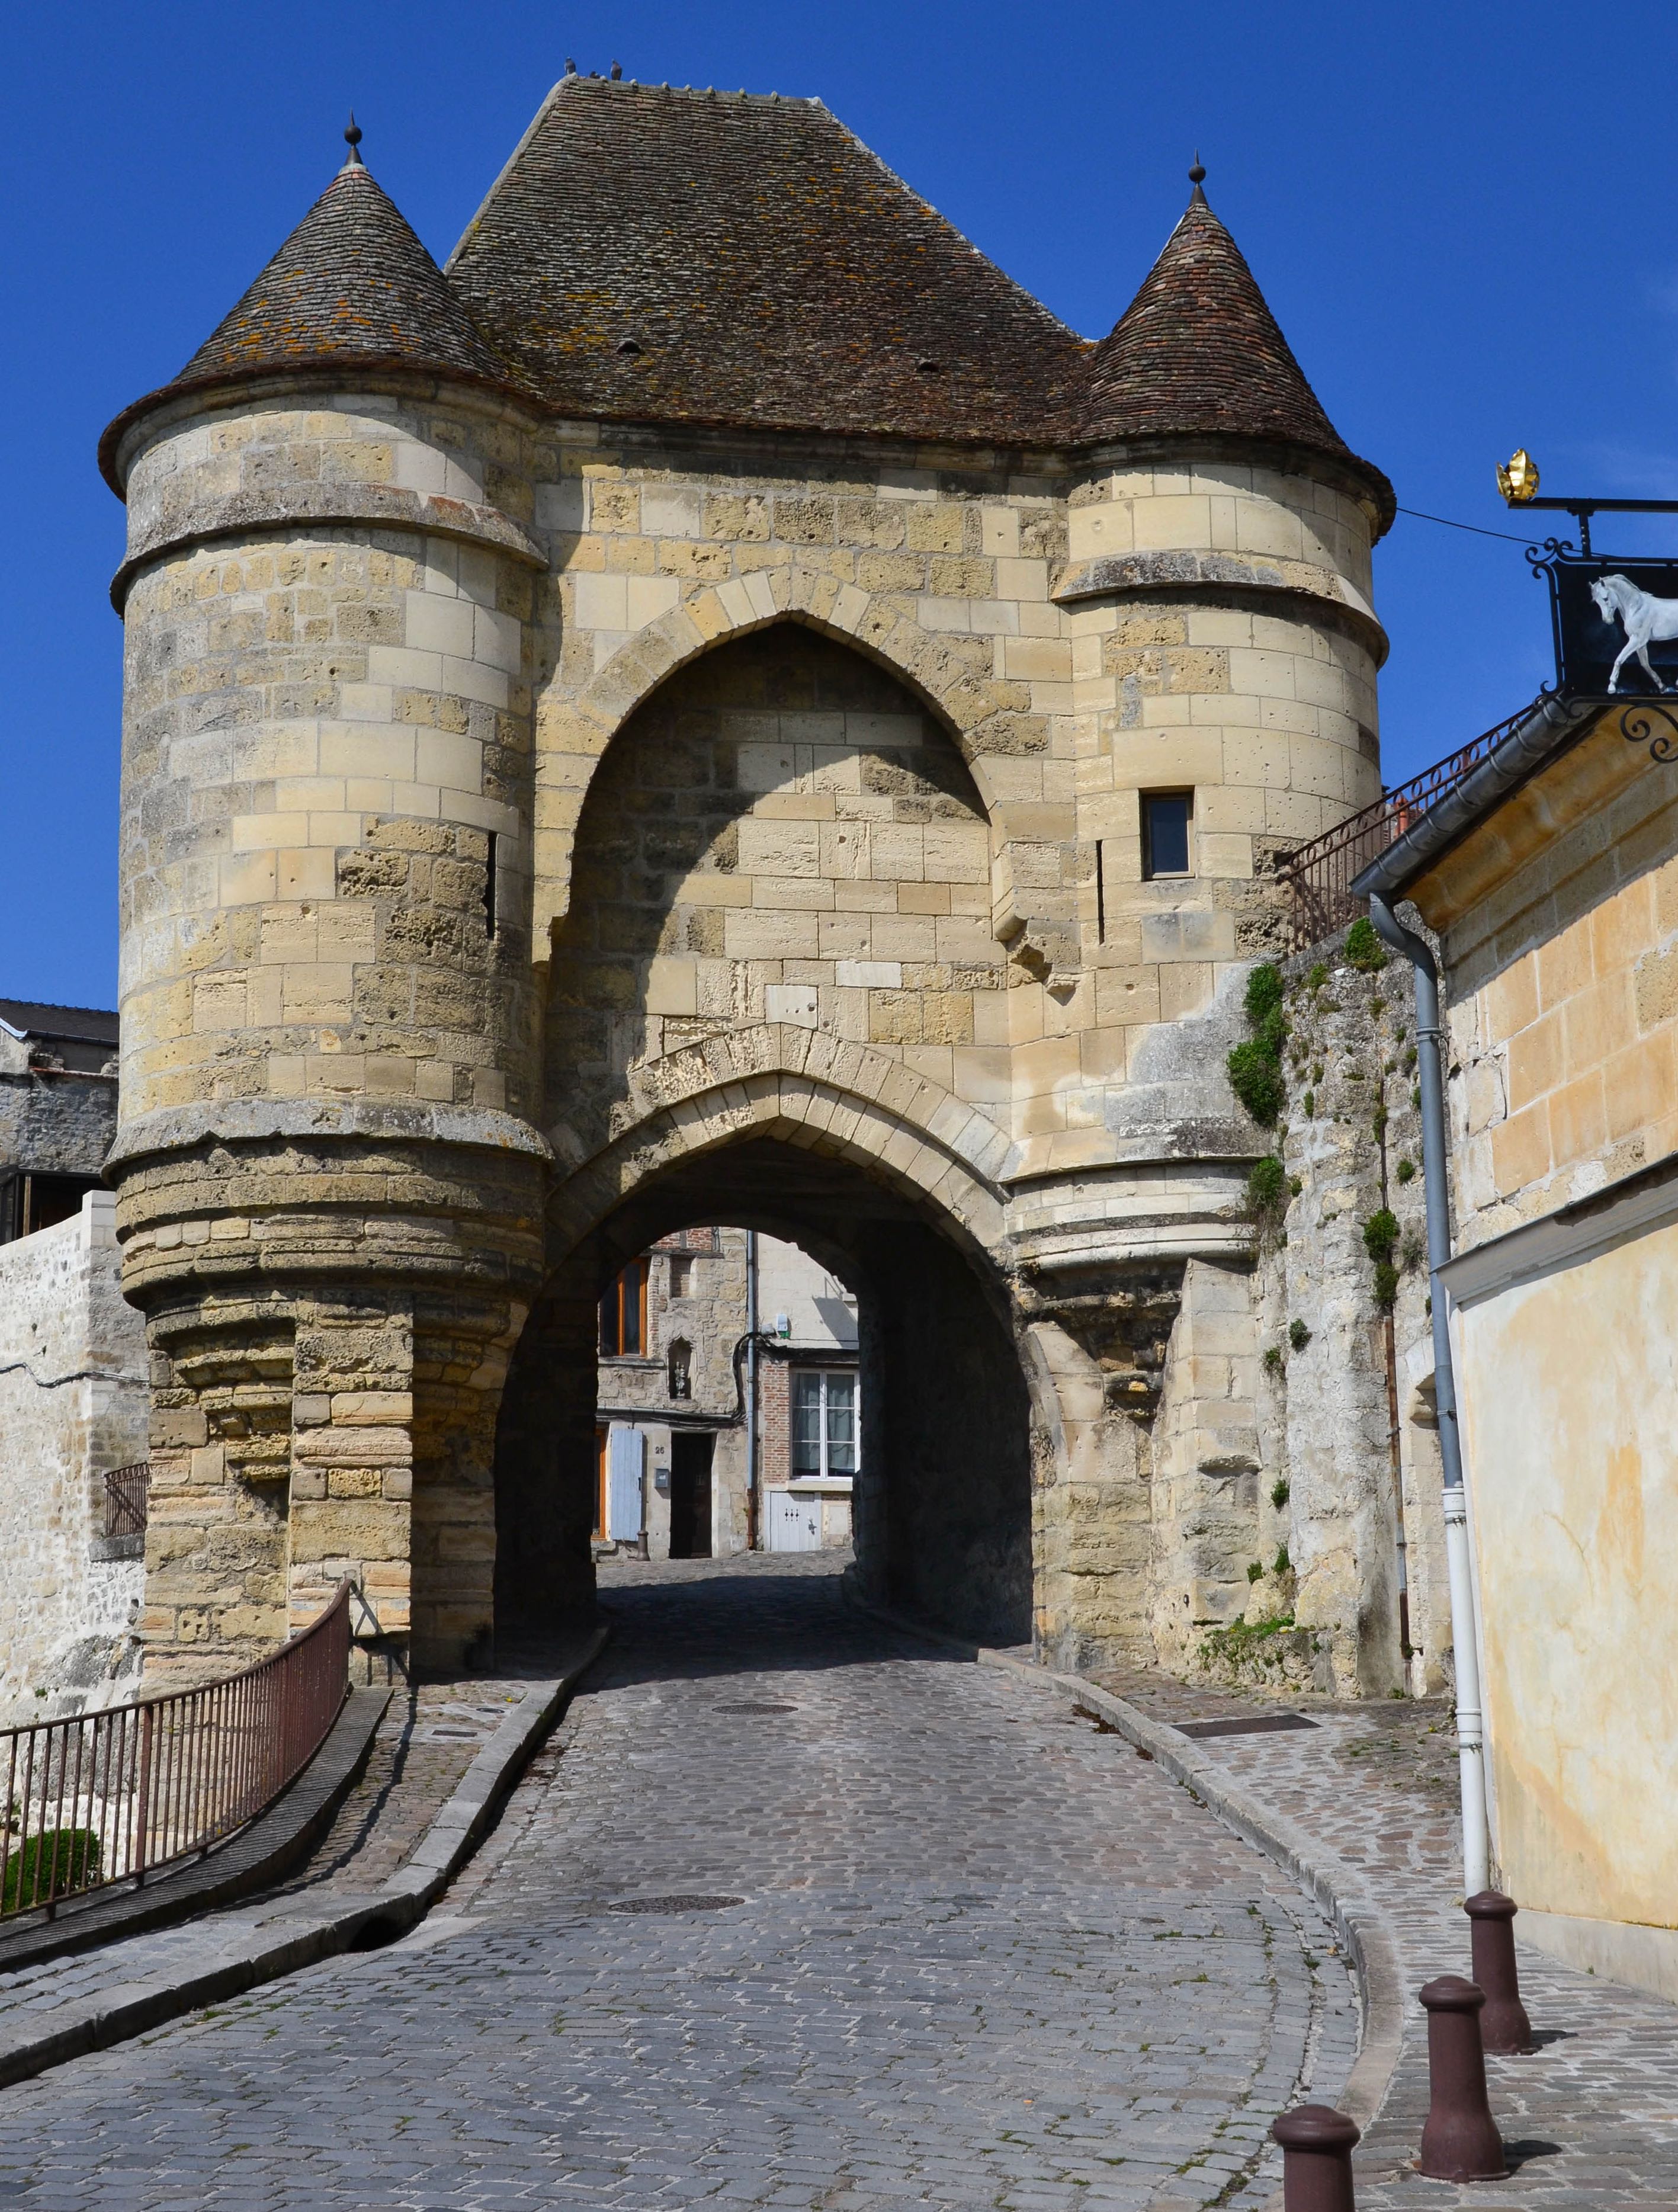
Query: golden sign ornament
1518,483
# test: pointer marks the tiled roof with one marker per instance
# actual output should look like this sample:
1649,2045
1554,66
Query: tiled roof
722,258
743,261
1198,352
351,279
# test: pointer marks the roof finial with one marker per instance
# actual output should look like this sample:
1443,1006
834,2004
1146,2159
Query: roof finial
352,138
1197,177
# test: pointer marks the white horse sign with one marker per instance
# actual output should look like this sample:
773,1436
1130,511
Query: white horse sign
1616,623
1642,616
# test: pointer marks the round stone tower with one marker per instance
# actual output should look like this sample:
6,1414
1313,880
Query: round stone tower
1223,655
329,1177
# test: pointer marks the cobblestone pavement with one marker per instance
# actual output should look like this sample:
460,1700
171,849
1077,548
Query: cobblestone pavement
984,1956
430,1735
1590,2118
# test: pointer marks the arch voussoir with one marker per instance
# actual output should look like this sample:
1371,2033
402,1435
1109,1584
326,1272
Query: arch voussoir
711,614
758,1081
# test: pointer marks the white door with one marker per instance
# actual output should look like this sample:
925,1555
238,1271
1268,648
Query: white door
624,1449
795,1523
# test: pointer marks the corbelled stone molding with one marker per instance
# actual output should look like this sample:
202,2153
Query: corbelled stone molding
378,506
177,1128
1123,575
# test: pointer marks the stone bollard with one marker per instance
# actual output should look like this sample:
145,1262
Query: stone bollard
1504,2025
1460,2141
1316,2159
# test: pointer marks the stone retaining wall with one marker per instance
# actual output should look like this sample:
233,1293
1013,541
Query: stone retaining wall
73,1404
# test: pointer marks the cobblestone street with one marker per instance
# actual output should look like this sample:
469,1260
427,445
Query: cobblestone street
982,1955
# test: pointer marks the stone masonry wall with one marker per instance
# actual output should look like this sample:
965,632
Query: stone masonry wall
73,1404
54,1123
1350,1460
1561,937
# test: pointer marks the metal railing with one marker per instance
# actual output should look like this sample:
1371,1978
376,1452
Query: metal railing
1319,875
125,1494
114,1796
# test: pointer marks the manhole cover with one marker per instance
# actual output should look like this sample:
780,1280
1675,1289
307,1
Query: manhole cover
757,1709
673,1903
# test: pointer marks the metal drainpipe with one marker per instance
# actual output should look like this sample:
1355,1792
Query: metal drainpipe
1465,1643
752,1530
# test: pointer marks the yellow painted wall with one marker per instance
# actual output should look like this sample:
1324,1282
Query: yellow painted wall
1570,1393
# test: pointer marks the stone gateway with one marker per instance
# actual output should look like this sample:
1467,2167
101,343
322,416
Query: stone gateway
715,708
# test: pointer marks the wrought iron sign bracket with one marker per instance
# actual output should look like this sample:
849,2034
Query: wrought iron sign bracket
1583,509
1640,724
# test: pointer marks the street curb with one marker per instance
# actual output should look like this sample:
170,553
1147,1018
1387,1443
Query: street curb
237,1951
1333,1886
258,1856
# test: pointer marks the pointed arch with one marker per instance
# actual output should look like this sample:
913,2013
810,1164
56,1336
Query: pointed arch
819,1092
985,719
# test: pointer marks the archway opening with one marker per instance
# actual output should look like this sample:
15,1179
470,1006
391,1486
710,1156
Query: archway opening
919,1423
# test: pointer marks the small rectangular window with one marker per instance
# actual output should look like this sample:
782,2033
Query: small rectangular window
489,914
1166,816
1101,894
681,1275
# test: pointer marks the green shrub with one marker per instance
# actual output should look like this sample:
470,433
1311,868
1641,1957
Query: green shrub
1280,1493
1282,1561
1255,1077
49,1864
1364,948
1406,1169
1256,1068
1317,977
1298,1336
1273,1359
1267,1189
1381,1234
1386,1283
1308,1102
1255,1571
1264,993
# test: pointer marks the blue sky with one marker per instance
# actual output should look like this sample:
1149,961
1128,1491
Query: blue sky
1460,214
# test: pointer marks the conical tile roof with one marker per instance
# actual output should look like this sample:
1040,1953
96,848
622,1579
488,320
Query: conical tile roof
352,280
1197,352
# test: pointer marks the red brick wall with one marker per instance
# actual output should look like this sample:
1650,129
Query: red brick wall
775,1420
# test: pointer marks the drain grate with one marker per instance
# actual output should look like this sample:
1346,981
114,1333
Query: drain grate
673,1903
757,1709
1270,1724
